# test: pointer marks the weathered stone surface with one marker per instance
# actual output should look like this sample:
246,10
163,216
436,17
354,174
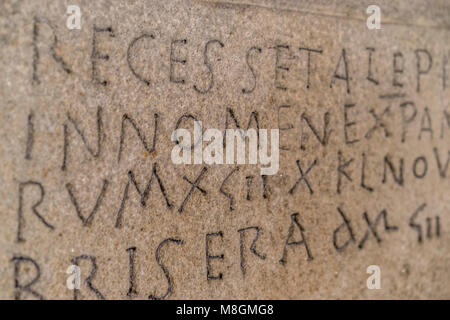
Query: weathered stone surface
366,110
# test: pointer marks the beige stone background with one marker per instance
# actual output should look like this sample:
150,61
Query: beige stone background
409,269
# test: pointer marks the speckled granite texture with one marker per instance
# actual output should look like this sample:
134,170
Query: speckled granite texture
86,118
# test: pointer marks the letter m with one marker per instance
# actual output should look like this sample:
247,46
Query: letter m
230,114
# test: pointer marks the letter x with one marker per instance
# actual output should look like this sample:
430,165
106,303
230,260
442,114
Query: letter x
194,185
371,227
303,177
379,123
